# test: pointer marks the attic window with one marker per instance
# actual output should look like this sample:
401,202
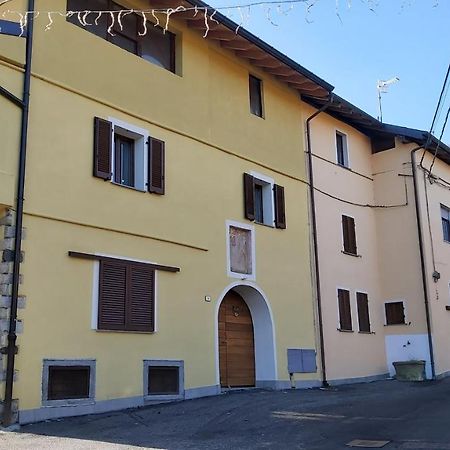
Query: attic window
255,90
156,45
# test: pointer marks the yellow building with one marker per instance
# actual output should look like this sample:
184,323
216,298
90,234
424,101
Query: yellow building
165,236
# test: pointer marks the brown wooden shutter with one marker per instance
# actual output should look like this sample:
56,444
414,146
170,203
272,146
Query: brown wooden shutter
345,315
395,313
102,148
280,214
249,196
349,235
141,304
156,166
363,311
112,295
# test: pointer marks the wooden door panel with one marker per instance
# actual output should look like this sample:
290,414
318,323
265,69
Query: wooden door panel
236,343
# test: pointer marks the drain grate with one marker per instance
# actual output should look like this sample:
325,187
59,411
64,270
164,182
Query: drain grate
364,443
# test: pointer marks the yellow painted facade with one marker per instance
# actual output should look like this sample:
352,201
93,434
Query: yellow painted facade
202,114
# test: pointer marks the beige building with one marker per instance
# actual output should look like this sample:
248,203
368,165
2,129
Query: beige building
380,300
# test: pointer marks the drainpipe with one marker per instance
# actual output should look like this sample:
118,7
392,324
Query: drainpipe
314,238
11,349
422,259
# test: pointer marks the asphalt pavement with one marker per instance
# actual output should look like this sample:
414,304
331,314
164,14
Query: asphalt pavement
408,415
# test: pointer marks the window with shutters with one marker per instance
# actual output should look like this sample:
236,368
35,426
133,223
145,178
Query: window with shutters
240,250
68,381
345,312
264,200
128,156
341,149
395,313
126,296
362,303
163,379
349,236
256,96
148,41
445,218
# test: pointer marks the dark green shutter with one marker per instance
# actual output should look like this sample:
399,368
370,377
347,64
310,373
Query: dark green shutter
280,212
249,197
156,166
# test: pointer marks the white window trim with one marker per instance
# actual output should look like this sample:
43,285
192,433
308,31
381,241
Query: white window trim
140,136
268,197
251,228
405,312
360,291
342,288
442,206
95,289
347,148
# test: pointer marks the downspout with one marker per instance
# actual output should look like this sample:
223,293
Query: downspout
315,240
11,349
422,259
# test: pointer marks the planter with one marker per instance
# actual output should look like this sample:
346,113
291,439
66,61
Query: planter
413,370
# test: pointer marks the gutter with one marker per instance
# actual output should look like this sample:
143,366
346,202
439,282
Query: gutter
315,238
11,349
422,259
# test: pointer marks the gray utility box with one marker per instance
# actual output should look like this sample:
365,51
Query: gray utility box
301,360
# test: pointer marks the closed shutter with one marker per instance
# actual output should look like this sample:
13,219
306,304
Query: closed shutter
102,148
345,315
280,214
395,313
349,235
141,299
249,197
112,296
156,166
126,296
363,311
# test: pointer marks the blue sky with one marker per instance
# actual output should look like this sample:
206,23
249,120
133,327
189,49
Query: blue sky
353,47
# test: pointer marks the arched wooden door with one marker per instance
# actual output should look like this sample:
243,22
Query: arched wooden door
236,343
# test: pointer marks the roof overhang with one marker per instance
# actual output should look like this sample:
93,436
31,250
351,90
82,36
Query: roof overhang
246,45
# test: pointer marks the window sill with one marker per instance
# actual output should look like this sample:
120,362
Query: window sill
128,187
397,324
366,332
68,402
345,331
149,398
124,331
264,224
351,254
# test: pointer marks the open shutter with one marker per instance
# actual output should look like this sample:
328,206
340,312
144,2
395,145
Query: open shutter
102,148
141,306
363,311
345,315
280,214
349,235
249,197
112,295
156,157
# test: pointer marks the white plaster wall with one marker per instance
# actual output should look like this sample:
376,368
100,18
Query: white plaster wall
404,347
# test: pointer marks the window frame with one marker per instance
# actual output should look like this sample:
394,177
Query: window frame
404,313
137,39
140,136
346,153
370,330
268,198
447,211
252,77
47,363
147,363
244,226
96,295
339,327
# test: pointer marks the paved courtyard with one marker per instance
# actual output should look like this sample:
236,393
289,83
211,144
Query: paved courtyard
409,415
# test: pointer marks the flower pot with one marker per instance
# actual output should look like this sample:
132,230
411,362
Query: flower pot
413,370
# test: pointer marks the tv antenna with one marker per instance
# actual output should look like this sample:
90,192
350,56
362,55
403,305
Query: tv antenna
382,87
